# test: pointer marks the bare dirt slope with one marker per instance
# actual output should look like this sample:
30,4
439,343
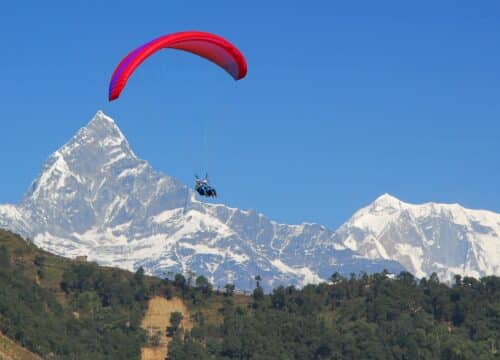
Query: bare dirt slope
156,320
9,350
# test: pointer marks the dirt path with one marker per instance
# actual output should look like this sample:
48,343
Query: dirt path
156,320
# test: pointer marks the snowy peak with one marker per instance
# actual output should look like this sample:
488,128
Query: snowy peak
12,218
94,197
100,135
431,237
100,116
102,128
96,149
96,180
374,217
386,201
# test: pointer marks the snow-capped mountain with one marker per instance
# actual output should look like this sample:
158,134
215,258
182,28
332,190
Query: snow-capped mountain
12,218
443,238
94,197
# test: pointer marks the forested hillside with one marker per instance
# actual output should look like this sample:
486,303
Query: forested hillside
366,317
68,309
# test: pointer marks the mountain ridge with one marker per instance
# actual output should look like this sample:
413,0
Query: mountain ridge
95,197
432,232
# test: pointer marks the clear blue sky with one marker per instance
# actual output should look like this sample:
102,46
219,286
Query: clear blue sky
343,101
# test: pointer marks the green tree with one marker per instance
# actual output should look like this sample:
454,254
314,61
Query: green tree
40,263
204,285
180,281
139,275
4,258
229,289
89,301
175,322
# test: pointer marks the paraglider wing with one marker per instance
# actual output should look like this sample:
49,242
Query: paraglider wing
209,46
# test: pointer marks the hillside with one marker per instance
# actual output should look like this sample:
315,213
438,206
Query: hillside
156,321
65,309
366,317
69,309
9,350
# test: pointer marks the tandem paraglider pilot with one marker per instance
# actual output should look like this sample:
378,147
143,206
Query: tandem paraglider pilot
203,188
212,47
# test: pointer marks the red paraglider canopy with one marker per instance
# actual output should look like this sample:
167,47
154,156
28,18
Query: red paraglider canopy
209,46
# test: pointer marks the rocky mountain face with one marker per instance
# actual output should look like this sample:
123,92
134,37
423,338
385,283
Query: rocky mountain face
443,238
94,197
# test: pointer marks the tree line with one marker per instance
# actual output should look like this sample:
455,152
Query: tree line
360,317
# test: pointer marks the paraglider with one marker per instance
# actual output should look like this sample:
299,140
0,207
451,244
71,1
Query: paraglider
206,45
203,188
